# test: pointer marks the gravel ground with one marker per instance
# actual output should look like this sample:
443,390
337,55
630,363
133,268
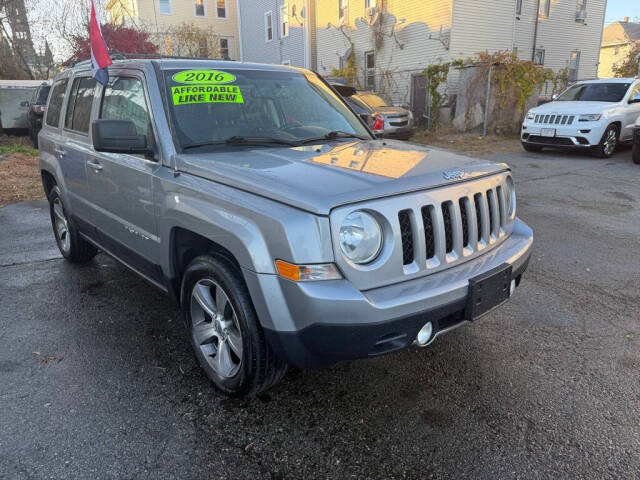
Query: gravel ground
97,380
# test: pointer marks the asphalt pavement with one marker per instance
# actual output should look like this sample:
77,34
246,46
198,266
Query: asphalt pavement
97,379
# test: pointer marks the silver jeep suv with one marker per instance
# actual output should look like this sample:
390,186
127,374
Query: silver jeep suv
268,211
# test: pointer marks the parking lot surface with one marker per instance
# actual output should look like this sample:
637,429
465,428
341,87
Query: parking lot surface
97,379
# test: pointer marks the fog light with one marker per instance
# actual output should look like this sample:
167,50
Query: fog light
425,333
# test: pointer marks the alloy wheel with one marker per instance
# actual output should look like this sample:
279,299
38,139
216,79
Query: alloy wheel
215,328
61,225
610,141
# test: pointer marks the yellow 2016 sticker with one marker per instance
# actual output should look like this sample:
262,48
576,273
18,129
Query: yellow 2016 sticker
199,77
189,94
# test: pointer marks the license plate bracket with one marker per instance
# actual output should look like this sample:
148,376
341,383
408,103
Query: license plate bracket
547,132
488,291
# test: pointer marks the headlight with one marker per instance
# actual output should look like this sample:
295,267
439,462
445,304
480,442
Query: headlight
510,197
591,117
531,115
360,237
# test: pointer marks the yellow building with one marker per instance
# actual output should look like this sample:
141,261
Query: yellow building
617,39
204,28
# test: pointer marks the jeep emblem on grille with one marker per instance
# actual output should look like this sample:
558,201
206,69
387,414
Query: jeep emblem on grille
456,174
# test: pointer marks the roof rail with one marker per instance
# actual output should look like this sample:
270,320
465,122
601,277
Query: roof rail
116,55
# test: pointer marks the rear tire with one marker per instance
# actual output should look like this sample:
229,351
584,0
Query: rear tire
531,148
224,330
608,143
71,245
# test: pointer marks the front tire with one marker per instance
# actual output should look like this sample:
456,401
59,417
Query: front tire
531,148
636,153
608,143
224,330
71,245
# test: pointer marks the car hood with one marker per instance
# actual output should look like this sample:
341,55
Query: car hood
317,178
572,107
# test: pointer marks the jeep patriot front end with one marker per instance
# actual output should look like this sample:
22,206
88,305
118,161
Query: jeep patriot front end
286,232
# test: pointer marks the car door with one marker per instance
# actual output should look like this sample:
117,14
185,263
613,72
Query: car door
121,184
631,112
75,146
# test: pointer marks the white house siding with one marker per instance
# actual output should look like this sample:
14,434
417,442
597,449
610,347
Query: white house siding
255,47
492,25
395,61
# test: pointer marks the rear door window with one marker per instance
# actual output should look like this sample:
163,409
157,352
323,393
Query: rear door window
55,104
124,100
78,114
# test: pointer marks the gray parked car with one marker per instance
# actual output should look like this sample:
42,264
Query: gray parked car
270,214
387,120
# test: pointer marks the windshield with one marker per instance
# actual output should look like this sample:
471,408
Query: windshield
594,92
374,101
245,107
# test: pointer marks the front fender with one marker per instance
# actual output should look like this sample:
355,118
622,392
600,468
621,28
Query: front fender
257,231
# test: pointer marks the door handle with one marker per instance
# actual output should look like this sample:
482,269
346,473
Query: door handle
60,152
97,166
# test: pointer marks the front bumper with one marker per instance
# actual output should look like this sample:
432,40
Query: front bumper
315,323
579,135
396,128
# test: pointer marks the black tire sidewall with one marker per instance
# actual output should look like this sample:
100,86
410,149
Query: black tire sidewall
223,274
635,154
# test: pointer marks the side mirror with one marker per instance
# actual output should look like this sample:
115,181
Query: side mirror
554,96
118,136
635,98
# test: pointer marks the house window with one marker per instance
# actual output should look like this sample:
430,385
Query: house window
268,26
164,7
199,6
284,22
581,10
538,58
369,3
343,10
574,65
224,48
518,7
370,69
545,5
221,8
203,48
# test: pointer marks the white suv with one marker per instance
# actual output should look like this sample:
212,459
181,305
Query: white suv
593,114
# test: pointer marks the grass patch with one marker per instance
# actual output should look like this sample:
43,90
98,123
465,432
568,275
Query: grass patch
18,148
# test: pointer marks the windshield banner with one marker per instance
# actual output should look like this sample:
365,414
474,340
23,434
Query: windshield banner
189,94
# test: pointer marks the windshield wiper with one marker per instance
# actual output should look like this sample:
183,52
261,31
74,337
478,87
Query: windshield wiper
239,140
333,135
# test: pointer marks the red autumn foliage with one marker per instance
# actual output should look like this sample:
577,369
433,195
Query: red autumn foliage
117,37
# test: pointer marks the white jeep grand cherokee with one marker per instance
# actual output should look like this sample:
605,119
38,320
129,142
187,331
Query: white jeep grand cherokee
593,114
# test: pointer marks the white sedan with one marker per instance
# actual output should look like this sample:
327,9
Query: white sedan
594,115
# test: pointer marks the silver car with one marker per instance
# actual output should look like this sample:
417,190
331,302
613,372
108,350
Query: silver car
285,231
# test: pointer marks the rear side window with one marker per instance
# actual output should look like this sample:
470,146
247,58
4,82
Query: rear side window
124,100
79,106
43,92
55,104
